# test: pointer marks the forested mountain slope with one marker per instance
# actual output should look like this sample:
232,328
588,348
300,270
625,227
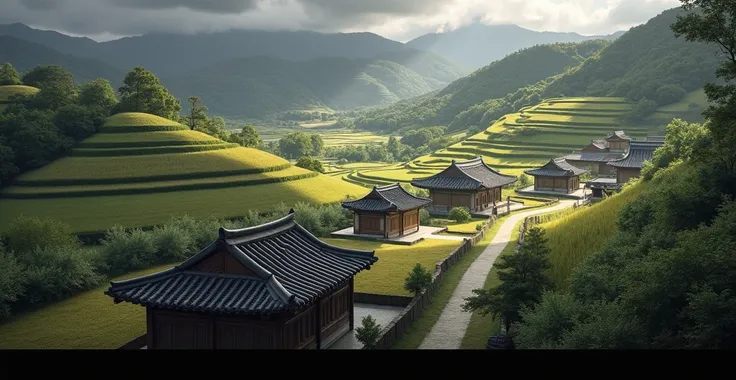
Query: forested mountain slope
496,80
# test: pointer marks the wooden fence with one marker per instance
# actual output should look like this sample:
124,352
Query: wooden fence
394,329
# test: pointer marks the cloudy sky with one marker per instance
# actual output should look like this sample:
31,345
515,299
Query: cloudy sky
401,20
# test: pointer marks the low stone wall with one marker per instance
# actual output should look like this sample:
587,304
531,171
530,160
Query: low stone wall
394,329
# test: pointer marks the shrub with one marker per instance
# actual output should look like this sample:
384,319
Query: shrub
52,273
459,214
27,233
125,251
524,181
424,218
369,332
172,243
417,280
310,163
479,227
12,281
342,161
202,231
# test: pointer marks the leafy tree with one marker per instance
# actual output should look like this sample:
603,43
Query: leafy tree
11,281
523,281
33,136
714,22
28,233
317,144
424,217
670,93
310,163
143,92
8,75
79,122
459,214
369,332
98,94
524,181
197,117
215,127
247,137
56,84
417,280
296,144
8,169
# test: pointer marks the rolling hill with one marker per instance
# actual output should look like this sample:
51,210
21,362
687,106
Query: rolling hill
260,86
26,55
10,90
140,170
477,45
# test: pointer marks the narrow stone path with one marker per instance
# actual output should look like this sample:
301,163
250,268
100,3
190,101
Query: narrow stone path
450,328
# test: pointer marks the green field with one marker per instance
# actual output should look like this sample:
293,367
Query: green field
395,262
88,320
141,177
521,140
690,108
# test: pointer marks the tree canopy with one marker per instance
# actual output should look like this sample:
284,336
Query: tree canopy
143,92
8,75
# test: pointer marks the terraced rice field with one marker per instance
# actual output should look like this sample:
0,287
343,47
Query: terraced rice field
141,169
522,140
351,138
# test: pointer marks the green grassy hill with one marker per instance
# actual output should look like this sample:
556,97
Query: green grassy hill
140,170
7,91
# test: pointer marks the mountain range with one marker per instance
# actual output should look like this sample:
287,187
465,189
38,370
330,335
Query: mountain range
476,45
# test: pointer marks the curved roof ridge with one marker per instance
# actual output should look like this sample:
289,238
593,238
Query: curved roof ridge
225,233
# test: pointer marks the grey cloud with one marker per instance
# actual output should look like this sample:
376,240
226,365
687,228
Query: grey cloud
634,12
41,5
213,6
388,7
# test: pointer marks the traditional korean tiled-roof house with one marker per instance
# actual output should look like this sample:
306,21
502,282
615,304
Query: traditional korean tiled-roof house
471,184
618,141
596,161
556,175
270,286
387,211
630,165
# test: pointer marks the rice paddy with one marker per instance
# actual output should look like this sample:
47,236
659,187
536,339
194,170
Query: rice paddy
575,235
145,175
520,141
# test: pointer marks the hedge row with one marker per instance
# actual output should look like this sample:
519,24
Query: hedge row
143,128
146,144
369,180
600,101
162,189
159,178
82,152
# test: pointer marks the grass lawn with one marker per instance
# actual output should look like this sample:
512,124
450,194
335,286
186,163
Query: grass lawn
128,119
395,262
88,320
100,213
461,228
415,334
481,327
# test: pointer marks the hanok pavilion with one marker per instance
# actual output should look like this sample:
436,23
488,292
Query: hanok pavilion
270,286
471,184
630,165
387,211
598,153
556,175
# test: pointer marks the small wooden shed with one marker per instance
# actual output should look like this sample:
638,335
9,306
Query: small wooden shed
387,211
556,175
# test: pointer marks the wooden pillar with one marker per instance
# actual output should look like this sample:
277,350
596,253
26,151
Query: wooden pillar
385,226
150,330
401,223
352,303
318,325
